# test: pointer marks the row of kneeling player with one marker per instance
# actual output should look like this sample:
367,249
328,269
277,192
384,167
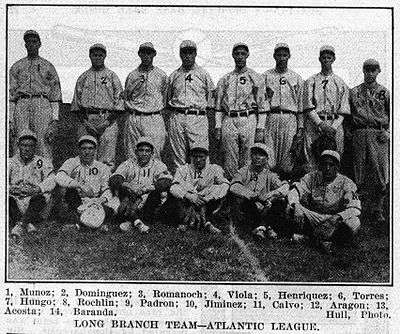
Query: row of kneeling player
323,205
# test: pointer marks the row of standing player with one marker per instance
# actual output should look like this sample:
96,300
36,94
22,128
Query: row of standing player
248,107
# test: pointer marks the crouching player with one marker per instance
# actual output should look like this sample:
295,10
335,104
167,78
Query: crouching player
259,195
31,179
140,186
197,191
325,205
84,183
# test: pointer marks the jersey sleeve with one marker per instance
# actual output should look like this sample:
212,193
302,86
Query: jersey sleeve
104,188
161,171
117,93
304,187
210,89
178,188
387,104
63,177
352,204
13,84
309,102
54,81
164,87
76,100
237,186
344,100
48,182
300,93
122,170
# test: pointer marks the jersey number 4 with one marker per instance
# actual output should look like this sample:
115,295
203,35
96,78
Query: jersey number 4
189,78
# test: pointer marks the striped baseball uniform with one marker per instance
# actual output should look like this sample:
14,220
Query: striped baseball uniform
35,90
209,182
328,97
370,109
102,90
239,92
319,200
96,176
38,172
145,98
284,92
188,91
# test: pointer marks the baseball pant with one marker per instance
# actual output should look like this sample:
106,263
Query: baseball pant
144,125
184,131
33,213
107,140
323,230
237,138
280,130
311,133
35,114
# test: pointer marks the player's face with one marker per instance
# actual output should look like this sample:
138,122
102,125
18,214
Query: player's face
27,149
199,159
370,74
281,57
143,154
326,59
329,168
32,44
97,57
240,56
87,153
258,158
188,57
146,56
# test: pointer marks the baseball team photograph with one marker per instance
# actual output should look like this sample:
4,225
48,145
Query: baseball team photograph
213,166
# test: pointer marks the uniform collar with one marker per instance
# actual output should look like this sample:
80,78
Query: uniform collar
181,69
23,162
140,69
244,69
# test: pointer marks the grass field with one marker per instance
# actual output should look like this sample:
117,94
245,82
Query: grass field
56,253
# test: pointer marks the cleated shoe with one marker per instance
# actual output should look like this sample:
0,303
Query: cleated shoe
142,227
211,228
125,226
259,232
30,228
271,234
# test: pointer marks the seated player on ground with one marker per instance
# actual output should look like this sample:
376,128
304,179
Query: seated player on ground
259,195
197,191
325,205
31,180
84,183
140,185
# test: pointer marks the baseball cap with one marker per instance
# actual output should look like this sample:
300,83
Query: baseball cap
87,138
240,44
260,146
31,33
371,63
27,134
281,46
199,147
145,140
147,45
188,44
327,48
98,46
332,154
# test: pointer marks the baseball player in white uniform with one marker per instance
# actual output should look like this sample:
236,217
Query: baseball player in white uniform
140,183
35,94
326,100
190,94
31,180
145,99
370,110
97,102
325,204
197,190
284,91
240,111
255,191
83,179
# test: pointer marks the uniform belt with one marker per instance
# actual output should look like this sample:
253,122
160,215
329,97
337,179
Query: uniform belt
188,111
29,96
140,113
328,117
281,111
375,127
241,113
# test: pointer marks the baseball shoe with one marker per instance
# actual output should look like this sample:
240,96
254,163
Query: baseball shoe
182,228
271,234
17,230
142,227
211,228
30,228
125,226
259,232
299,238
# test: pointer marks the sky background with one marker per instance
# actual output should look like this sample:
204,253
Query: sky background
68,32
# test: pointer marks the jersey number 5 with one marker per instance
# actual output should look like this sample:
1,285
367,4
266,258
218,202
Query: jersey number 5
242,80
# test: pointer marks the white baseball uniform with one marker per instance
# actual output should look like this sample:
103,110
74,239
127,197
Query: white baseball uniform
189,94
38,172
96,176
35,93
101,90
284,91
145,98
239,94
326,98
